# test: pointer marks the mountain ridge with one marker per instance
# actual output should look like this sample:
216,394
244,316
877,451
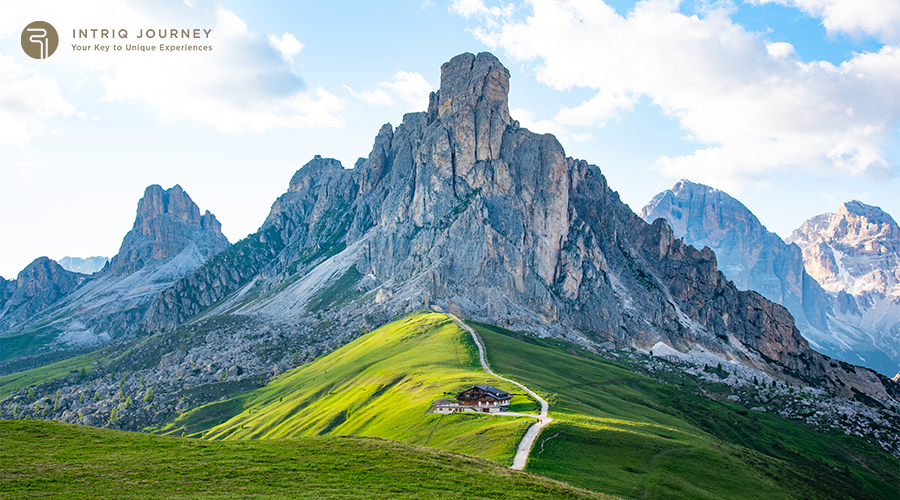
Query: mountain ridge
169,239
756,259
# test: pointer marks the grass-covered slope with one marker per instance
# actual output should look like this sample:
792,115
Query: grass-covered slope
53,460
67,368
380,385
626,434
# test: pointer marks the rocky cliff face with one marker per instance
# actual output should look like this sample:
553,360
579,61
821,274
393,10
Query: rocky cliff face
39,285
855,250
169,240
756,259
747,253
167,223
855,254
7,289
460,209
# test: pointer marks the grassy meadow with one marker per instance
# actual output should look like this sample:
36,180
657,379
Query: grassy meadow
625,434
61,461
68,368
381,385
355,424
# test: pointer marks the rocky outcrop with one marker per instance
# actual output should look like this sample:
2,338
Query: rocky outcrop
167,223
460,209
7,289
89,265
40,284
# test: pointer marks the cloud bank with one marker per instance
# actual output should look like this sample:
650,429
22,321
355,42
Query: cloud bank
246,84
752,106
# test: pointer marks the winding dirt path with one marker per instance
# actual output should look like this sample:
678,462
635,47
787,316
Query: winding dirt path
528,441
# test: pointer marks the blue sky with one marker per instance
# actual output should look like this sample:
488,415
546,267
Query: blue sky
792,106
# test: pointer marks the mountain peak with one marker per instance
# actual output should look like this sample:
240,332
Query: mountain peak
167,221
686,185
38,285
473,103
470,81
157,201
874,214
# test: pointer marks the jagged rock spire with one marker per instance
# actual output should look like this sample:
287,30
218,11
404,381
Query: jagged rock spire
167,221
473,104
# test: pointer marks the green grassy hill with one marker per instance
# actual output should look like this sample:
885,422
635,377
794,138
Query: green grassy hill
615,431
53,460
623,433
380,385
67,368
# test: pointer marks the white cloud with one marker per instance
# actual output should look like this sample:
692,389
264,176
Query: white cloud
287,45
780,49
604,106
246,84
468,8
27,98
527,119
229,24
411,88
377,97
752,105
879,18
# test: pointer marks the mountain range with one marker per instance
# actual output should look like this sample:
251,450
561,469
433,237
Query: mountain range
89,265
49,308
457,209
837,274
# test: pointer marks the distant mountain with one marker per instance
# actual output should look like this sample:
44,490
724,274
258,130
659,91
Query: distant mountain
89,265
51,308
756,259
855,254
168,223
749,255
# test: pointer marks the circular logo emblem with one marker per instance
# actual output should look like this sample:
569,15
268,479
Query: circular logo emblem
39,40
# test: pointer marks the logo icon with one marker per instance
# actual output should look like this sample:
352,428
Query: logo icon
39,40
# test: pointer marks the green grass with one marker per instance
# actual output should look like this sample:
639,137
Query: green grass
626,434
53,371
53,460
16,346
614,431
380,385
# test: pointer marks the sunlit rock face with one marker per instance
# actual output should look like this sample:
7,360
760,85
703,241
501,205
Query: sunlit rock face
855,254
